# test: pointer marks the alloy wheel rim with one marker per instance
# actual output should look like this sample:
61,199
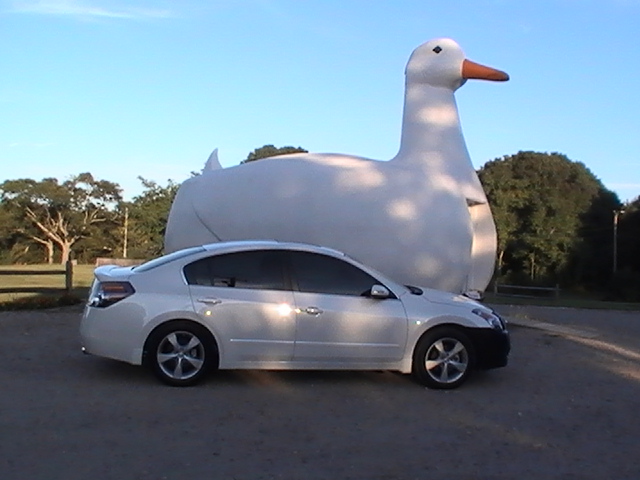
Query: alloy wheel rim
446,360
180,355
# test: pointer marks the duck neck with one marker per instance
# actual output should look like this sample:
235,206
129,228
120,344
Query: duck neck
431,134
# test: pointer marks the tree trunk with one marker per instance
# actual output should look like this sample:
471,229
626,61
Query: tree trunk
66,252
533,266
49,249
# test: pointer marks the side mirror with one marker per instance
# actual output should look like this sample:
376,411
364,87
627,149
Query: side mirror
380,292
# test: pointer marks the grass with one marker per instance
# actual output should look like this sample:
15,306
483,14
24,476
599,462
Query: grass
568,300
26,290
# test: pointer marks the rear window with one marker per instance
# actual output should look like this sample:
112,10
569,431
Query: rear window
156,262
259,269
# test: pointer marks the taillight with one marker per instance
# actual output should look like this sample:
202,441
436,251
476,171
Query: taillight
104,294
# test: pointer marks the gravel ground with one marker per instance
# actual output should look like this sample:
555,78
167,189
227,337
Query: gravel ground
565,408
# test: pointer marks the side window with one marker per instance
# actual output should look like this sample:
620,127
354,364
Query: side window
323,274
262,269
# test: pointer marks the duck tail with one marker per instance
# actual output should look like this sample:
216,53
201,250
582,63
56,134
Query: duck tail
212,163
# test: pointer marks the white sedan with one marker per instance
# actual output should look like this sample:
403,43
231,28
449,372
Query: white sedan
273,305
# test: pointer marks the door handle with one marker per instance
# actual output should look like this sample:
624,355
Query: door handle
312,310
210,301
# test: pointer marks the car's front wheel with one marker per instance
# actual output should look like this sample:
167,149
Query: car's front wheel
443,358
181,353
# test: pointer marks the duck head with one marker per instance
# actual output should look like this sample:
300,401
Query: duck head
442,63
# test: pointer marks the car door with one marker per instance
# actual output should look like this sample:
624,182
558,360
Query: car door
246,301
336,323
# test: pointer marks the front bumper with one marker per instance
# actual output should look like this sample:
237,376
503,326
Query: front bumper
491,347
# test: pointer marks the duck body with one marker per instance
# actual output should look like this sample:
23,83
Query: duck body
421,218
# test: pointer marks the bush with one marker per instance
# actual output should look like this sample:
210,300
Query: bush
624,287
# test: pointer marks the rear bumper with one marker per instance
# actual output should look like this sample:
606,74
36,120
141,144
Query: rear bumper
491,346
109,335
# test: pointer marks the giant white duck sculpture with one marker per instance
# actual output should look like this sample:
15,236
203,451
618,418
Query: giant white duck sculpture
421,217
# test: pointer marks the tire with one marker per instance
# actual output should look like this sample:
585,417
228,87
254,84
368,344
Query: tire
443,358
181,353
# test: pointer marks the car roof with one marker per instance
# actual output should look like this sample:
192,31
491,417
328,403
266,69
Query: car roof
243,245
187,254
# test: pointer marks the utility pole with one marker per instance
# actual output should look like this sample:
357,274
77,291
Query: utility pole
616,214
126,232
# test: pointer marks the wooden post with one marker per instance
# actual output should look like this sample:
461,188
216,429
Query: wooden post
68,276
126,232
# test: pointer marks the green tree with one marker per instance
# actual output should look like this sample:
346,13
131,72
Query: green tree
147,218
271,151
626,281
104,240
14,247
629,237
58,215
548,212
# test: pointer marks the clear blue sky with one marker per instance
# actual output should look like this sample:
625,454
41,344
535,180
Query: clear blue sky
124,88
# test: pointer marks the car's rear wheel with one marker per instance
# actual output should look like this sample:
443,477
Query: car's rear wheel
181,353
443,358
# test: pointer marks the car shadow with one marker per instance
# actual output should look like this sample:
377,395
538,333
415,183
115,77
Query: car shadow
115,372
305,377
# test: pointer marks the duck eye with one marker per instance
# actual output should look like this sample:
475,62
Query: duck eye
437,49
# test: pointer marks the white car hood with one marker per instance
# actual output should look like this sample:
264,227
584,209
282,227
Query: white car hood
448,298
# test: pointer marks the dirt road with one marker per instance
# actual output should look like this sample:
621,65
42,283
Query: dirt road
567,407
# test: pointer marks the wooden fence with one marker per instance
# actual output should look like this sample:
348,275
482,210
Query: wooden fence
67,272
522,291
121,262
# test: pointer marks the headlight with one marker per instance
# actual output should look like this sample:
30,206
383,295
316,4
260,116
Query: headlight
491,318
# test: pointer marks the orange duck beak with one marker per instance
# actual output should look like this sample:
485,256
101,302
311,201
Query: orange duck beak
475,70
